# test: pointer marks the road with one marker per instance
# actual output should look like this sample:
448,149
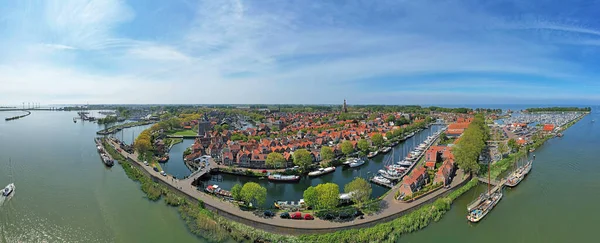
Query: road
393,207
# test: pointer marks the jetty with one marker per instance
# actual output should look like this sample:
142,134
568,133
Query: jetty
18,117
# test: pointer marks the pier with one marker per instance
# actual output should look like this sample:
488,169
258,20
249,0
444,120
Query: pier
18,117
497,184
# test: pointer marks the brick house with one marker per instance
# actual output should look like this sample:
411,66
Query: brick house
445,172
414,181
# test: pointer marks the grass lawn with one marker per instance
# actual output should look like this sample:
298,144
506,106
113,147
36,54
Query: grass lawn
185,133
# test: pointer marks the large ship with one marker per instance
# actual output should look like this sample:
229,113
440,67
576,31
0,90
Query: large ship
8,190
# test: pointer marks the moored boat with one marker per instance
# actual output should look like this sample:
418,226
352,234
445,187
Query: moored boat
481,210
372,154
288,205
321,171
215,189
356,163
284,178
404,163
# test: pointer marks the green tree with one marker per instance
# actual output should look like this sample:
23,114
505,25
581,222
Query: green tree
236,192
143,142
347,147
389,135
311,197
391,118
502,148
327,153
377,139
363,145
302,158
361,190
329,195
253,193
217,128
275,159
225,127
512,143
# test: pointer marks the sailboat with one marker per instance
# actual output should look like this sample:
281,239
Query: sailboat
517,176
485,203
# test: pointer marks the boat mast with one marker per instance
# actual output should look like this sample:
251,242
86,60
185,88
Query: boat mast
489,176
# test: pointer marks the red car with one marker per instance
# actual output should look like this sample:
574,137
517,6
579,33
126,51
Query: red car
308,217
297,215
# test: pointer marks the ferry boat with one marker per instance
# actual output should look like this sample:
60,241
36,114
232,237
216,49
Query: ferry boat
8,190
356,163
321,171
215,189
484,208
288,205
284,178
372,154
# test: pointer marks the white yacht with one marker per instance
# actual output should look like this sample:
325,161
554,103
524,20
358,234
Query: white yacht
8,190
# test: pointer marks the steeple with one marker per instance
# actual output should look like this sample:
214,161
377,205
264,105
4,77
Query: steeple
345,107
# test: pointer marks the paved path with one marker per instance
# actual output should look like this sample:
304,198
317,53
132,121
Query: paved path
392,207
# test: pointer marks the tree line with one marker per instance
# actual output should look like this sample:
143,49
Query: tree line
471,143
560,109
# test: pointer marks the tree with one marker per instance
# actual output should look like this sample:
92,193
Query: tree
275,159
502,148
347,147
327,153
329,195
361,190
302,158
225,127
253,193
363,145
389,135
391,118
311,197
377,139
218,128
143,142
512,143
236,192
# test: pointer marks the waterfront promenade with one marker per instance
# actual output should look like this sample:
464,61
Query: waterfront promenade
391,208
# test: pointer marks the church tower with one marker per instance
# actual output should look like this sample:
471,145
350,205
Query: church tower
345,107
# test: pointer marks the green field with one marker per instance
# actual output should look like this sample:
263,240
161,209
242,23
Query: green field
185,133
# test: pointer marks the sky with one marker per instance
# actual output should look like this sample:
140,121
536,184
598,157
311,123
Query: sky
299,52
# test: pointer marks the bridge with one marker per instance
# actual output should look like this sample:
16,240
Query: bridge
196,174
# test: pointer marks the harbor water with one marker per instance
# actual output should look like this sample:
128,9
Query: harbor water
65,194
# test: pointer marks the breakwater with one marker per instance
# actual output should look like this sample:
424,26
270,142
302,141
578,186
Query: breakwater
18,117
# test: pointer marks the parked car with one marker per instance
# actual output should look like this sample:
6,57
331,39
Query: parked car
296,215
155,169
268,213
284,215
162,172
146,163
308,217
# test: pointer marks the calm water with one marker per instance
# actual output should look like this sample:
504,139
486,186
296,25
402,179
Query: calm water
65,194
557,202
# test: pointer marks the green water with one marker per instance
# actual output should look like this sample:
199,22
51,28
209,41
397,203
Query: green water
557,201
65,194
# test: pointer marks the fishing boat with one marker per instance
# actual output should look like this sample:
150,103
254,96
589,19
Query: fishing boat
356,163
284,178
8,190
372,154
321,171
288,205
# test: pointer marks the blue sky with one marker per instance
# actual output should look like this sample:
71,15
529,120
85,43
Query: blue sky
369,52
